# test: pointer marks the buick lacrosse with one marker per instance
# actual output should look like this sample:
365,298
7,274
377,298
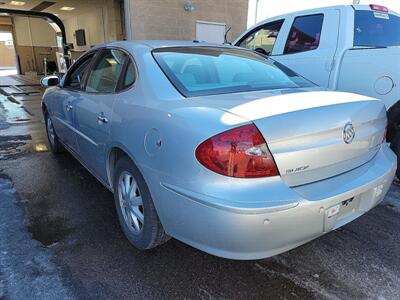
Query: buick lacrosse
218,147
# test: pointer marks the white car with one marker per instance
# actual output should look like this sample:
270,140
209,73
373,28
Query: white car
352,48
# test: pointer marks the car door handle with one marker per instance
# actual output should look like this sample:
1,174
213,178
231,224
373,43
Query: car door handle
101,119
68,107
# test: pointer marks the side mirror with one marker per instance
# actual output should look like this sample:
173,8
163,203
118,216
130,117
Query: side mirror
51,80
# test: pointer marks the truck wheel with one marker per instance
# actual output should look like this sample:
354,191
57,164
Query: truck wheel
393,121
395,146
135,208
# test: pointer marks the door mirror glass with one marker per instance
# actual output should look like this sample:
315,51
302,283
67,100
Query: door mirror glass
48,81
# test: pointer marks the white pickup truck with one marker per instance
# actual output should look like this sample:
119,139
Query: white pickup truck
354,48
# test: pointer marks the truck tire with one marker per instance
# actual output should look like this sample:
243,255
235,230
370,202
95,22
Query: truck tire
393,115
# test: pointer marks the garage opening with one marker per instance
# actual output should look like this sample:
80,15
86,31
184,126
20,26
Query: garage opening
39,38
7,51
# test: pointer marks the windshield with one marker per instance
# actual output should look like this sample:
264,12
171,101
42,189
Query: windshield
198,71
376,29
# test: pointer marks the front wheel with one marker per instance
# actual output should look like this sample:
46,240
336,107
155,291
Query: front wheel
54,143
395,146
135,208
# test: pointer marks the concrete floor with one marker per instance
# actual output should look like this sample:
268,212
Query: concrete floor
60,238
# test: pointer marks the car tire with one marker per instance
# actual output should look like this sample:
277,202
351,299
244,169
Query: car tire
135,209
395,146
54,142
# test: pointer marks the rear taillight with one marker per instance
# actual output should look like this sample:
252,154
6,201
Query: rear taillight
239,152
379,8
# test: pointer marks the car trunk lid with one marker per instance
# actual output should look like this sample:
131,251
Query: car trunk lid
309,134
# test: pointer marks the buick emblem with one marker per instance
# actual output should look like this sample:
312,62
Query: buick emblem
348,133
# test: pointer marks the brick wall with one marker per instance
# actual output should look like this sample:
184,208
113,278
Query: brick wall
167,19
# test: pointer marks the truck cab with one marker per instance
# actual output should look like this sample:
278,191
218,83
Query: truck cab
352,48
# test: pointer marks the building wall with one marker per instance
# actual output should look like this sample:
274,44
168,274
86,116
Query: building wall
34,32
7,55
35,40
5,24
101,24
93,24
7,52
167,19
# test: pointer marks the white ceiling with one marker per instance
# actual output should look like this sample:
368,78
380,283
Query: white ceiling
81,6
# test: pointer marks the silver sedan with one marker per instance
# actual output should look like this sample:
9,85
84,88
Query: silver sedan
218,147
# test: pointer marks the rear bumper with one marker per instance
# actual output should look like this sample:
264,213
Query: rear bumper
288,218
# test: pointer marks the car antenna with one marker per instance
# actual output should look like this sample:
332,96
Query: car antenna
226,35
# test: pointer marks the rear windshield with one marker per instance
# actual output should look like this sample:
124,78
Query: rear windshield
198,71
376,29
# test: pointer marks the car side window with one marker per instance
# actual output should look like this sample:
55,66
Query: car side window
75,80
263,38
107,69
130,76
305,34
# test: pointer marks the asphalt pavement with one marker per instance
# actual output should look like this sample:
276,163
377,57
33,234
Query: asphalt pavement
60,238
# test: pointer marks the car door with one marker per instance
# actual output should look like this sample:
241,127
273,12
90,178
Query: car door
95,108
262,38
310,46
67,96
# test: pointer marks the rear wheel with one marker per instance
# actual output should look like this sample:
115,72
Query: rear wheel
54,142
135,208
395,145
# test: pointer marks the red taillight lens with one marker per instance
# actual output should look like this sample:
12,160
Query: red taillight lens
379,8
239,152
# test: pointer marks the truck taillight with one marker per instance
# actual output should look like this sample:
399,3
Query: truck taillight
239,152
379,8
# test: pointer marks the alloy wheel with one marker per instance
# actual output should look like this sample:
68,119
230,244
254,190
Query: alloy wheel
50,131
131,203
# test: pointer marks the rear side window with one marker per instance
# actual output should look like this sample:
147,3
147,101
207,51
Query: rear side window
130,75
376,29
305,34
262,38
106,72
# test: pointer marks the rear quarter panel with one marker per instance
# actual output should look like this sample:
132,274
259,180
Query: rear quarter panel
160,129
